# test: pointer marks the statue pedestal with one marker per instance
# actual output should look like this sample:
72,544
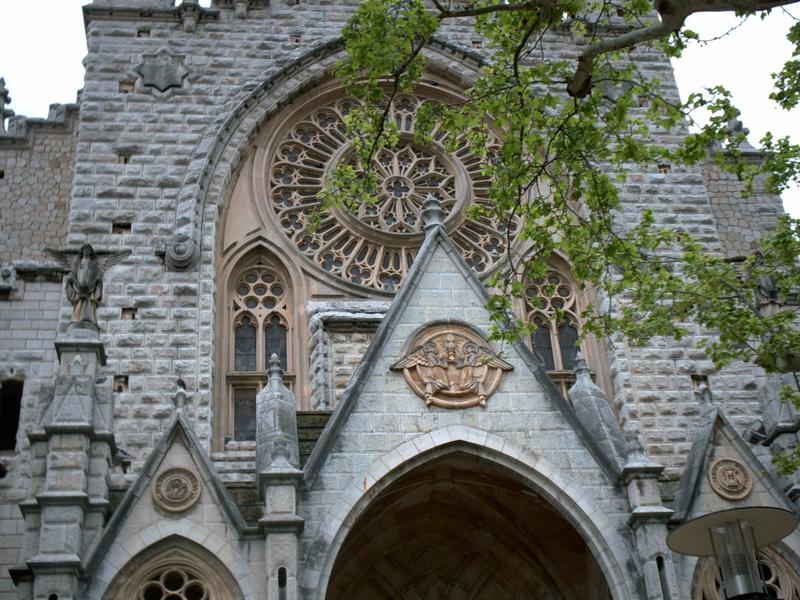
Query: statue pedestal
71,487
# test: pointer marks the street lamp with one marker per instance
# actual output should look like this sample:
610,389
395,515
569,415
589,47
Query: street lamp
732,537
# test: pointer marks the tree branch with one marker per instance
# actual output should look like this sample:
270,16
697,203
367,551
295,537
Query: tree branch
581,83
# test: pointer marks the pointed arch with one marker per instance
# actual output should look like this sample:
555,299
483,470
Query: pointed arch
174,567
554,304
259,311
599,531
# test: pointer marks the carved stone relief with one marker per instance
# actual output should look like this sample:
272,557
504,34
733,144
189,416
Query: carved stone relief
730,479
451,366
176,489
162,70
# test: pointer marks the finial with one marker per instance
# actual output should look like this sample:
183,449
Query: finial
4,99
275,372
635,451
581,366
433,214
181,396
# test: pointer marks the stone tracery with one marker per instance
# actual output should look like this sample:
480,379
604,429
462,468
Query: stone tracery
374,245
781,579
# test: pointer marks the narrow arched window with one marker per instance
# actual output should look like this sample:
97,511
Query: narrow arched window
275,337
245,345
551,307
260,325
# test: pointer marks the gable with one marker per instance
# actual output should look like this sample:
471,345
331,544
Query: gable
723,473
439,289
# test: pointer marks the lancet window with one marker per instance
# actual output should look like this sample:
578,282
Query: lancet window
551,306
260,326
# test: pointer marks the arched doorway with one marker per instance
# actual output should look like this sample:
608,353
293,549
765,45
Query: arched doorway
458,528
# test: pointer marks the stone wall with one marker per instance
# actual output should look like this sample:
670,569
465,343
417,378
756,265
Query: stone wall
141,150
28,326
37,161
163,135
740,220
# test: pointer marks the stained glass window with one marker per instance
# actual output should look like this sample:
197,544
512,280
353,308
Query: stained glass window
245,346
275,336
244,422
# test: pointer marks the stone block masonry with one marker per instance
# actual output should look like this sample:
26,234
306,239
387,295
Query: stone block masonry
37,161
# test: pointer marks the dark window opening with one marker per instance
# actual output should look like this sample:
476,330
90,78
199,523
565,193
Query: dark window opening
123,158
129,313
126,87
244,414
10,404
282,583
120,227
568,344
2,174
143,33
544,345
245,346
276,340
662,576
120,383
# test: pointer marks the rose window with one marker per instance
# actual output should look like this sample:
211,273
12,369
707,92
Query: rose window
374,244
174,584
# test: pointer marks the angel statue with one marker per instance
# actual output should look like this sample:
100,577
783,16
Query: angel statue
84,286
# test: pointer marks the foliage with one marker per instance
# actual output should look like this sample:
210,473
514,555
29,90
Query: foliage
570,129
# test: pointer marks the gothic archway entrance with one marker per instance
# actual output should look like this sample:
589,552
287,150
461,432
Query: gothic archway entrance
458,528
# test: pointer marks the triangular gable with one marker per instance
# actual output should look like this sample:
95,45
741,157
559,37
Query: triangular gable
179,433
437,238
717,439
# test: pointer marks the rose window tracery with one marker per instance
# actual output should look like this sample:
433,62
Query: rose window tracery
174,584
374,244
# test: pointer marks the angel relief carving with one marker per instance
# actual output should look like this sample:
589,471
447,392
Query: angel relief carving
451,366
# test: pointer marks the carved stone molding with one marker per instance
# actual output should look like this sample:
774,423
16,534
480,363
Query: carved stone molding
177,489
730,479
452,366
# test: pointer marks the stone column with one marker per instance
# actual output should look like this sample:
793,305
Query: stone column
72,451
649,518
278,475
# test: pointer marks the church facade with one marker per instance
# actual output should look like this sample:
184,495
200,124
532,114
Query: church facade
202,398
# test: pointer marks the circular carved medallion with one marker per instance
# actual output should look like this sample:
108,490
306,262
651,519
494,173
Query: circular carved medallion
729,478
451,366
176,489
374,244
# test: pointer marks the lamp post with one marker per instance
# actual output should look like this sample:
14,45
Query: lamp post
732,538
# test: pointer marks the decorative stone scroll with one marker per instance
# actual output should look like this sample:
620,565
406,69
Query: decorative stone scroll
730,479
451,366
177,489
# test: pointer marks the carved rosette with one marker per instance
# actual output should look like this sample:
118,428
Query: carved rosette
177,489
730,479
451,366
